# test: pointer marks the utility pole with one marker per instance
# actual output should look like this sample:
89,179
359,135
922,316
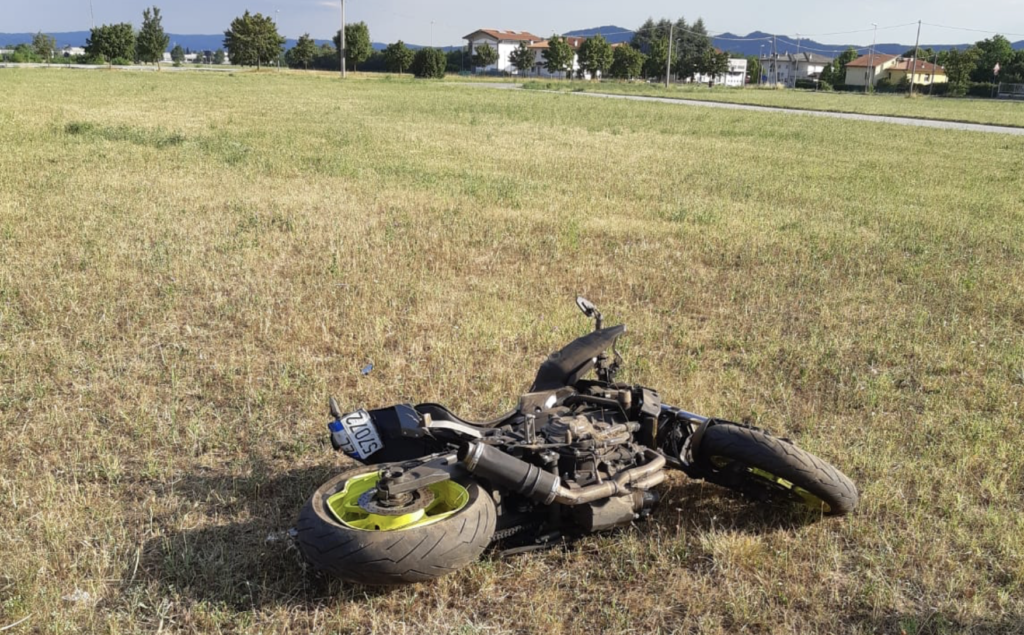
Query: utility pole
913,73
775,61
92,17
668,58
796,64
871,61
431,34
760,65
341,40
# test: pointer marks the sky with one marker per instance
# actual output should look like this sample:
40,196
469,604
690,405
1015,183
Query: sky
445,22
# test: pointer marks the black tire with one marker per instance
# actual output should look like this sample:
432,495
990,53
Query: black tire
729,451
417,554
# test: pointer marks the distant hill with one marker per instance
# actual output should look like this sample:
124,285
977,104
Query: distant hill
614,34
749,44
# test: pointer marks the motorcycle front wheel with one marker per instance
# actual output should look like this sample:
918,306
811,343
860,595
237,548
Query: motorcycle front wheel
765,468
442,528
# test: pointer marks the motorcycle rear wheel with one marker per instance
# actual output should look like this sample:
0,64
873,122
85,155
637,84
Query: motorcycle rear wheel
339,539
763,467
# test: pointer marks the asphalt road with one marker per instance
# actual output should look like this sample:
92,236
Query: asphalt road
903,121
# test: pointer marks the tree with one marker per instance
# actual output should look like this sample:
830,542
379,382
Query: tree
835,73
152,40
596,56
358,46
959,65
643,37
398,57
302,53
44,45
991,51
484,56
429,63
559,56
218,56
200,57
523,58
253,40
925,53
714,64
1014,68
693,53
656,61
111,42
456,59
754,69
177,54
627,62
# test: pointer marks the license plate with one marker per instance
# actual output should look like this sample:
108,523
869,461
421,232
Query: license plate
355,435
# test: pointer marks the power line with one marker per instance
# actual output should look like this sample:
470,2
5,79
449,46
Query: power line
963,28
839,47
881,28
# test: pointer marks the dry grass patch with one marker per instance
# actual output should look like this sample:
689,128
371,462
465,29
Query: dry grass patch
190,264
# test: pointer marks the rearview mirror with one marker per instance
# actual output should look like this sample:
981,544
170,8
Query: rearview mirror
586,306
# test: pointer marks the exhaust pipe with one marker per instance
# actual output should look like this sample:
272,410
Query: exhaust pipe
530,480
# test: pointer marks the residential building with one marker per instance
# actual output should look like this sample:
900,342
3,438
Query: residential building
504,42
924,73
868,68
793,67
893,69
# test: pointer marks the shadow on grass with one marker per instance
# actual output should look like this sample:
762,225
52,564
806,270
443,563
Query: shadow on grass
237,553
229,544
702,506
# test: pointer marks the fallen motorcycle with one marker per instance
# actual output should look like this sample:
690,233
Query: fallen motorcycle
576,456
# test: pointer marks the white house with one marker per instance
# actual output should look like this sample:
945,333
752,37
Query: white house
736,76
504,42
792,67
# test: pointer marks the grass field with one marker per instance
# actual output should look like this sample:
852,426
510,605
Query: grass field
988,111
191,263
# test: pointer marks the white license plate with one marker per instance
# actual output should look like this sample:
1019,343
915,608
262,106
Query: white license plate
358,437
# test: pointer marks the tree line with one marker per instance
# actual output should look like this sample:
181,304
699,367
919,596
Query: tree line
253,40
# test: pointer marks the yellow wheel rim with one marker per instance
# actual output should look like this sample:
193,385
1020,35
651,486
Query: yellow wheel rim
449,498
809,499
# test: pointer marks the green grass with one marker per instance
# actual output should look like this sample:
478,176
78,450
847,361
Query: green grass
191,263
1000,112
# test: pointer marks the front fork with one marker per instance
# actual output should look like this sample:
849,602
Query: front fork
679,436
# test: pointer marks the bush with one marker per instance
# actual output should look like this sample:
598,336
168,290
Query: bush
120,61
806,84
429,63
981,89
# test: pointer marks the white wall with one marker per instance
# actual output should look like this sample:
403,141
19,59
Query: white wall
504,50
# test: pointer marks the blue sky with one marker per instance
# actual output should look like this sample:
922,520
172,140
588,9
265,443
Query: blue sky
410,20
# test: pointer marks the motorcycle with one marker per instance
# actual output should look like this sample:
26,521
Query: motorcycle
576,456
